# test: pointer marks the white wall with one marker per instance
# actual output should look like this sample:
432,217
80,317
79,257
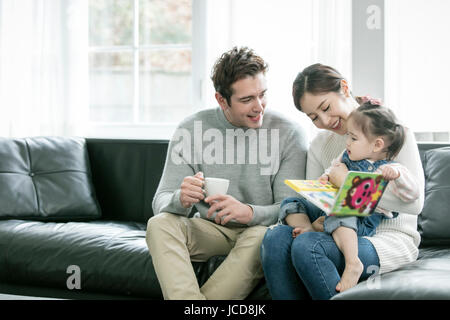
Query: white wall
289,34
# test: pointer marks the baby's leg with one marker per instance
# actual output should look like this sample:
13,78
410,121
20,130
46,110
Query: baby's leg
347,241
298,213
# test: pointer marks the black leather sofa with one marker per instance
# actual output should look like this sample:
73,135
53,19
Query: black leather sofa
102,229
104,237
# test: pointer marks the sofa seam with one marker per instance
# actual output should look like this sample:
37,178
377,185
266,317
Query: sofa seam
144,185
32,180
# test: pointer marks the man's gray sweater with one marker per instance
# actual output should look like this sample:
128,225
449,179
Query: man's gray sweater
256,161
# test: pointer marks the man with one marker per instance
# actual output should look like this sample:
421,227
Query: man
256,150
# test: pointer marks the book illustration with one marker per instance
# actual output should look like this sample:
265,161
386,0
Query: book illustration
358,195
326,198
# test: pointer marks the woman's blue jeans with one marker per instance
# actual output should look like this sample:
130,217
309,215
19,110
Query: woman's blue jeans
310,265
311,261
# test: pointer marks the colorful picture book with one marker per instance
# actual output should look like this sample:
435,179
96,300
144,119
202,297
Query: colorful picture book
358,196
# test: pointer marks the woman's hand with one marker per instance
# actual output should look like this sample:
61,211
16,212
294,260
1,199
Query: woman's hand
229,208
337,174
318,224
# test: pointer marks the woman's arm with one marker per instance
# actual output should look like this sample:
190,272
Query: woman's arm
314,167
410,158
324,148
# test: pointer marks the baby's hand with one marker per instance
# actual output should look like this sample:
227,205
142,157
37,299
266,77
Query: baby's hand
337,174
323,178
390,173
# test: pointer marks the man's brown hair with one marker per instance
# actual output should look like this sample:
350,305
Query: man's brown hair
234,65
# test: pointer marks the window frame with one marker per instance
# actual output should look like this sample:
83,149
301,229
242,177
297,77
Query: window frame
155,130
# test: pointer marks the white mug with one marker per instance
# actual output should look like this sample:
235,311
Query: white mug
215,186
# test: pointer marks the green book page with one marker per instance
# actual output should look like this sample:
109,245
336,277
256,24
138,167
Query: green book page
359,195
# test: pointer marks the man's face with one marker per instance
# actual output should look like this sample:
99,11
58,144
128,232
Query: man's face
248,102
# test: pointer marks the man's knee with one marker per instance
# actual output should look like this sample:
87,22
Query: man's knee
162,219
166,223
248,244
257,233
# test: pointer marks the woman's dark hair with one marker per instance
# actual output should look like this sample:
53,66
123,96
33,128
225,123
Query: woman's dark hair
315,79
375,120
234,65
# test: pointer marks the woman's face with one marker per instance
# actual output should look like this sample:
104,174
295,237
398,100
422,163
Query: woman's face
329,110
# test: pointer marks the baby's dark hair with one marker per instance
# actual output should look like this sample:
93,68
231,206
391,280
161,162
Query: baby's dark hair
376,120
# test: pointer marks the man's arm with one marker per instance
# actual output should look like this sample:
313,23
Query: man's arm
169,195
292,166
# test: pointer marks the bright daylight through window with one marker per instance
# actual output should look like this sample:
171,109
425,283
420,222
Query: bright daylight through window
140,54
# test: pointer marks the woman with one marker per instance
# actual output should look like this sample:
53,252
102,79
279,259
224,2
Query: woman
311,263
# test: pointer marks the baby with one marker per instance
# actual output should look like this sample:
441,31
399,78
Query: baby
374,139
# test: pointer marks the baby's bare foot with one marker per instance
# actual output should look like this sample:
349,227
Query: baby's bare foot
350,276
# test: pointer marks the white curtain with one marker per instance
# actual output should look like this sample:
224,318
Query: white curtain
43,67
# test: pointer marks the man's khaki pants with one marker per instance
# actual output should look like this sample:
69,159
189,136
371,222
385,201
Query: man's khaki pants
174,241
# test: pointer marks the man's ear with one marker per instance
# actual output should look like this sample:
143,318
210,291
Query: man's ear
222,101
345,88
379,144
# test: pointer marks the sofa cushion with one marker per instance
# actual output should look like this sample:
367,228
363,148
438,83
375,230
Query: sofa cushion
112,257
426,278
434,221
46,178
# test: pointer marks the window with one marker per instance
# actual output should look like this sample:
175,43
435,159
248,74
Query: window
289,35
150,60
417,65
140,63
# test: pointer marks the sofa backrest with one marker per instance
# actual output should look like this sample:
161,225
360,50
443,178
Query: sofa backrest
46,179
425,146
434,220
125,175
